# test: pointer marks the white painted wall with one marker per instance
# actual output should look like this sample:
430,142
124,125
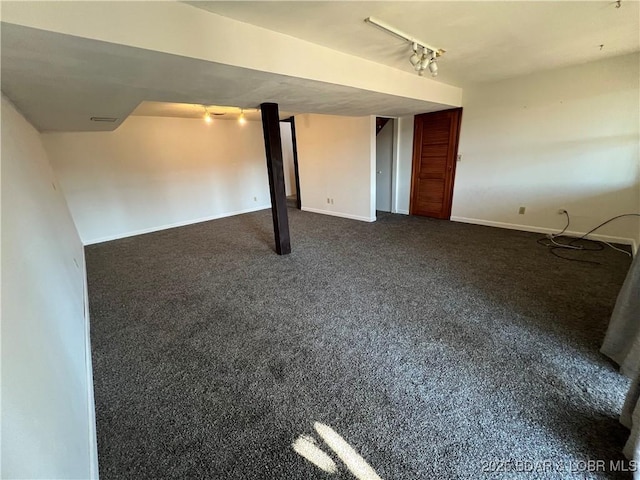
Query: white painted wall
154,173
48,421
565,138
336,159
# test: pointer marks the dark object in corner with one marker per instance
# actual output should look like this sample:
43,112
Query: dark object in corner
273,150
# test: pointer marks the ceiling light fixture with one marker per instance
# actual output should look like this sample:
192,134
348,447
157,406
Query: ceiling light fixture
241,119
419,61
207,115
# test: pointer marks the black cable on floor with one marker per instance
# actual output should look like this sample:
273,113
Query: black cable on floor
555,246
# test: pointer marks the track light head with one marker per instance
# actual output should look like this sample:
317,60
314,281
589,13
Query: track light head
415,58
433,66
426,57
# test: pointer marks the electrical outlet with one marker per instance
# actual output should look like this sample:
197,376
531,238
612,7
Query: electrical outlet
562,211
521,210
328,200
255,199
332,201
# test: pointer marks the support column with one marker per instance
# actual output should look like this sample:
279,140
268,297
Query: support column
273,149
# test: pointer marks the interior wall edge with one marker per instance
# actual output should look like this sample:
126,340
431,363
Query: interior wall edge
91,413
394,164
372,167
339,214
47,363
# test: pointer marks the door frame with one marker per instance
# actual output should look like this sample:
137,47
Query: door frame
394,160
454,140
296,170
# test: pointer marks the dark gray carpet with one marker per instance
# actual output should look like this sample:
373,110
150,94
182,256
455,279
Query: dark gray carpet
432,347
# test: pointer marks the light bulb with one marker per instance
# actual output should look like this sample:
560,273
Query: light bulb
241,119
207,117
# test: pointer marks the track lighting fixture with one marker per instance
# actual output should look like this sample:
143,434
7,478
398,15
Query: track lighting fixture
427,61
423,56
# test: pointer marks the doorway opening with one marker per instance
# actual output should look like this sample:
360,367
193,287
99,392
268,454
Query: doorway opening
290,162
385,140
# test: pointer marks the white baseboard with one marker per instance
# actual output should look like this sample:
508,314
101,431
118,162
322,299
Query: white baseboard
173,225
339,214
403,212
530,228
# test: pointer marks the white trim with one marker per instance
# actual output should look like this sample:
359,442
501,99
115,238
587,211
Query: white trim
530,228
174,225
373,180
339,214
395,155
403,212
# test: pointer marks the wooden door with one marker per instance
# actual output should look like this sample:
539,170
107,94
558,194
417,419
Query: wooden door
435,148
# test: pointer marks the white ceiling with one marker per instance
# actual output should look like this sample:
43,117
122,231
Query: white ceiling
484,40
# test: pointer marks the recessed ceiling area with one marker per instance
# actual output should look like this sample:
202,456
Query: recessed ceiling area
190,110
484,40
